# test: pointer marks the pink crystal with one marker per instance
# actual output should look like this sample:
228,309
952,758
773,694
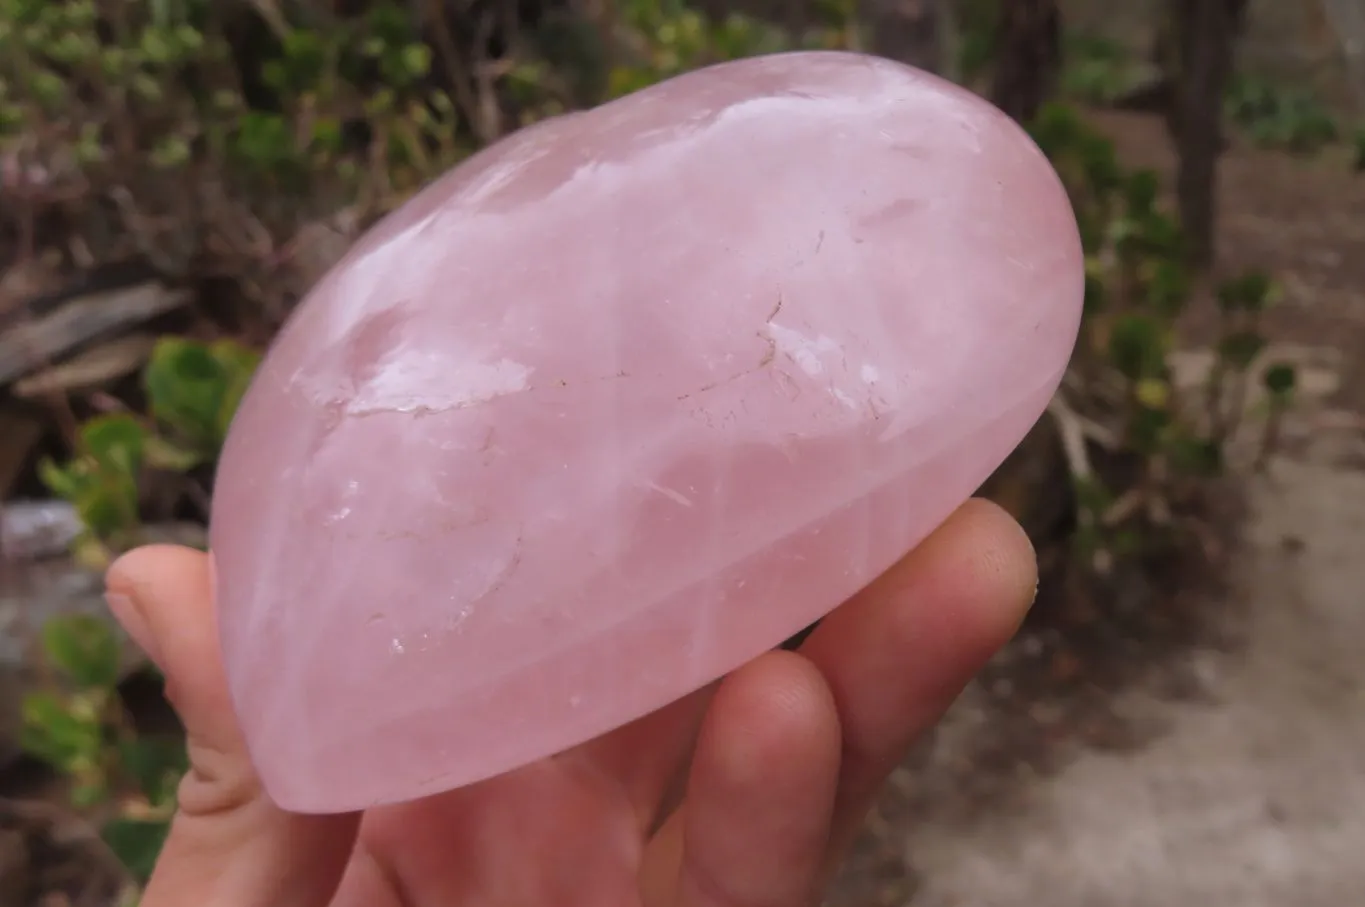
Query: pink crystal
622,402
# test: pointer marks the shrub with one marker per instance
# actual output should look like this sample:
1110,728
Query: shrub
126,780
205,140
192,391
1119,401
1276,117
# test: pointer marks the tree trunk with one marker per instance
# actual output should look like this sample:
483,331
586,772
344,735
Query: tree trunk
1204,31
1028,56
1167,54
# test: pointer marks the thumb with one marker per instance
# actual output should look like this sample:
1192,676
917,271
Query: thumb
228,844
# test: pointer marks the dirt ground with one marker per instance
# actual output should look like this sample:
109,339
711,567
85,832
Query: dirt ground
1232,772
1204,747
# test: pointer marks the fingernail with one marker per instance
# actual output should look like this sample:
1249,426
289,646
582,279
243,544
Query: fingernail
125,610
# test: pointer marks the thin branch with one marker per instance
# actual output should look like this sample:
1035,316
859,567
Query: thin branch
1073,437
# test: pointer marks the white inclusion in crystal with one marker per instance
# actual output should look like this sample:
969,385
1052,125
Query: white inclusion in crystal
344,510
457,616
809,355
806,352
337,516
669,493
396,646
869,373
407,382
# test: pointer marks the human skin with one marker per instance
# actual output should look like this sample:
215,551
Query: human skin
745,794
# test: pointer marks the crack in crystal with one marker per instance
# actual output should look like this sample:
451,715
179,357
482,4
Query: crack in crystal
769,354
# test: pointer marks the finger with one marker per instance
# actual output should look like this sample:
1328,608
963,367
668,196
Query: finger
647,759
761,791
228,845
897,654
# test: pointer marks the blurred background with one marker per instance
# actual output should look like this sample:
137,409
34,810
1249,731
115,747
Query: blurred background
1181,722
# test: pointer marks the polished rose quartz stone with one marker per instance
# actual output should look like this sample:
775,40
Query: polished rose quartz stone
621,403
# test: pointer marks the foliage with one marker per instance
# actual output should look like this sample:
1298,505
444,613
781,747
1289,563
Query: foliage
207,137
1277,117
152,129
139,114
347,113
192,390
977,39
77,725
1097,70
668,38
1137,287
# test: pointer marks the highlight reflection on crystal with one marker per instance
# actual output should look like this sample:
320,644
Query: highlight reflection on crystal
620,403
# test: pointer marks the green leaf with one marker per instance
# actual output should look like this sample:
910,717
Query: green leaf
1138,346
264,143
194,390
165,455
89,794
302,66
115,440
1100,157
416,60
1197,456
1148,428
101,480
1240,348
239,364
327,135
137,843
170,152
185,387
61,482
55,733
1161,235
156,764
1141,193
1092,495
1168,290
1281,379
1153,393
1251,292
89,552
84,648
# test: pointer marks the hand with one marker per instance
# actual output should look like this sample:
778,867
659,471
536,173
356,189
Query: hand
747,793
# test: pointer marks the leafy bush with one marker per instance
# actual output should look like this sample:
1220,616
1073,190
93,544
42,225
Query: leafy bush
192,390
1276,117
348,114
78,726
1097,70
138,127
204,139
155,129
1119,401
